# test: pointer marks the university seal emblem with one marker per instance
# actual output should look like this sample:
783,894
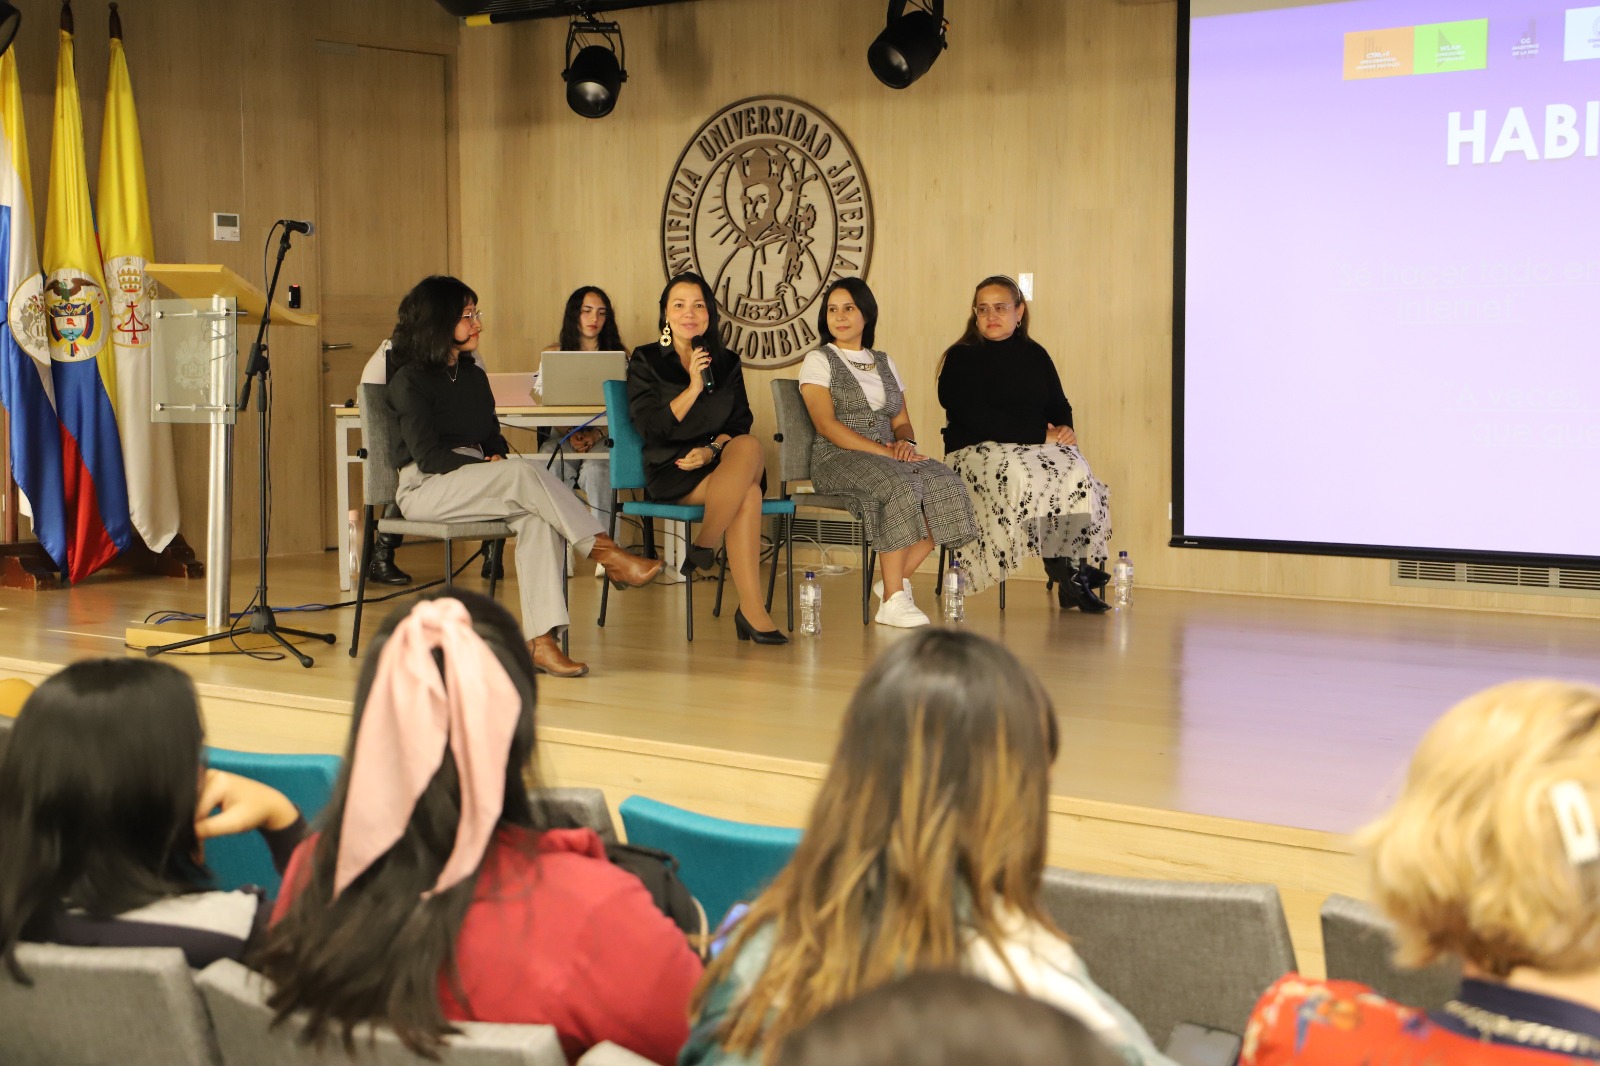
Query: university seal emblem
769,204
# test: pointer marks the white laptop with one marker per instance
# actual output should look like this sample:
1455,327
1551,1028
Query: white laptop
577,379
513,390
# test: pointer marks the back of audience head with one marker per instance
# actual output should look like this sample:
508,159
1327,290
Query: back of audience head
98,790
1472,861
930,823
943,1019
373,949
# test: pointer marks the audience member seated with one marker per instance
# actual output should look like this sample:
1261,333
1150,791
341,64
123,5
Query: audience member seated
944,1019
924,850
1009,435
587,325
866,447
105,802
434,895
697,443
454,465
1490,855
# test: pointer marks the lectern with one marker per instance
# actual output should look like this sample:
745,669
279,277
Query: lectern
195,351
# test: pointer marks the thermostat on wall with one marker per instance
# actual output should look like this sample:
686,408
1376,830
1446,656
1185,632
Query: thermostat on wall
224,227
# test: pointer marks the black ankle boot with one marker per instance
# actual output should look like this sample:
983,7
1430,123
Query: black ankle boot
1084,595
382,569
1058,570
1098,578
492,561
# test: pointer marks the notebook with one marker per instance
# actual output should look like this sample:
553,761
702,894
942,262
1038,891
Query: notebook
577,378
513,390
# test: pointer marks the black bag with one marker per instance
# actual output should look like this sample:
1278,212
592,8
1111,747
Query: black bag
658,872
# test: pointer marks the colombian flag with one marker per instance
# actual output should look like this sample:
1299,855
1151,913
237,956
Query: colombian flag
83,361
125,243
26,388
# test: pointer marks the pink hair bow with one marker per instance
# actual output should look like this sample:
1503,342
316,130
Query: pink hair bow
411,714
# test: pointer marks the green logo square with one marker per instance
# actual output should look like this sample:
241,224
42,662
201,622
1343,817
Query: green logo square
1441,47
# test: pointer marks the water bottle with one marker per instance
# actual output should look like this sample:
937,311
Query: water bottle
1122,582
810,604
954,597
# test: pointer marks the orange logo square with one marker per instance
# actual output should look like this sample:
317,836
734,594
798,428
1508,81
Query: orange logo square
1378,53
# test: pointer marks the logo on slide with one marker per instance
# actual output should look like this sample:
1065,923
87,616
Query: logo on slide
1378,53
1442,47
1526,45
1583,33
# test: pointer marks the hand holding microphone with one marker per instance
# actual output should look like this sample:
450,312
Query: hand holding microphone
700,361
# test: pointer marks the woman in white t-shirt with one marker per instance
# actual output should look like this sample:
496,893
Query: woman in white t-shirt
866,448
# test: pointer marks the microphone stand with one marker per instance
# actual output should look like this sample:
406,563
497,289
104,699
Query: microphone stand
261,617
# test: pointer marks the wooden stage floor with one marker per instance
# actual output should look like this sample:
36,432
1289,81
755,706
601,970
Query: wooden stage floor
1203,736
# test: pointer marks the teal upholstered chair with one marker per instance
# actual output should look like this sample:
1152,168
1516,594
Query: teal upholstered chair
627,472
243,859
720,861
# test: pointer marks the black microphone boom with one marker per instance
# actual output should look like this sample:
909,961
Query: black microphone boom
296,226
699,345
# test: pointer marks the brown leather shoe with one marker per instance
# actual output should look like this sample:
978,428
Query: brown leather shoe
625,569
549,659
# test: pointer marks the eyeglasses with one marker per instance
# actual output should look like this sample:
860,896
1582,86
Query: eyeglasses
475,316
985,310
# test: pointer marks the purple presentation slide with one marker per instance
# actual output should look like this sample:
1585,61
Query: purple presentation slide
1392,326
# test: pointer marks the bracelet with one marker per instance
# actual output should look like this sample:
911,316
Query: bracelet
905,440
716,449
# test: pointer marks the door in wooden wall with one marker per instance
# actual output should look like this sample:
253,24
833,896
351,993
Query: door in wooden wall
382,212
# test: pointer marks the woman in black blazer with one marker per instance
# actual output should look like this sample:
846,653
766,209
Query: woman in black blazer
697,443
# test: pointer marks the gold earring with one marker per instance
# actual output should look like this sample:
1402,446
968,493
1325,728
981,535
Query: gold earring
666,336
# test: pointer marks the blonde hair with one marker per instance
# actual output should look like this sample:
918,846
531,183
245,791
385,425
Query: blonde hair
1471,860
930,823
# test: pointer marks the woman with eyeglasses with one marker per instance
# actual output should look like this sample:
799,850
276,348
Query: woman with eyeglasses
105,801
866,448
456,467
1009,435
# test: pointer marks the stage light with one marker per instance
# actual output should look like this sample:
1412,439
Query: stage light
10,20
909,43
595,71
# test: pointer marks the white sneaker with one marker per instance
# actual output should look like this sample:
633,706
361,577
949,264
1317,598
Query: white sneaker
877,587
899,611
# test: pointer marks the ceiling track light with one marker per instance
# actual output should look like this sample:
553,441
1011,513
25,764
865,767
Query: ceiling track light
596,66
909,43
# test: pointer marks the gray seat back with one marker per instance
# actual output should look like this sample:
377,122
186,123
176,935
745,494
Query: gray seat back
796,429
238,1001
1174,951
577,806
103,1007
379,478
1358,943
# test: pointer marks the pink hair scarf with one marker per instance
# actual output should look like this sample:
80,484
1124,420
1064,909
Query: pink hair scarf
412,714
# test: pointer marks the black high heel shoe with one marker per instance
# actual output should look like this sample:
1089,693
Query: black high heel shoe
697,558
746,631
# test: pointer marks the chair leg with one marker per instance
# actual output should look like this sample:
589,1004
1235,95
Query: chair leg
722,580
1002,595
449,563
788,541
647,529
866,577
772,578
605,586
938,578
688,606
566,598
494,568
369,531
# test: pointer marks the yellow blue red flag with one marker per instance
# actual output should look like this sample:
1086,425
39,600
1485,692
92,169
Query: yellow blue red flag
125,242
78,323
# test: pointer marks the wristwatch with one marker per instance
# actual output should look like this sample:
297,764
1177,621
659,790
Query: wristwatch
716,450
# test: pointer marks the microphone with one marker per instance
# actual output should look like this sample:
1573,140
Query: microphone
296,226
706,380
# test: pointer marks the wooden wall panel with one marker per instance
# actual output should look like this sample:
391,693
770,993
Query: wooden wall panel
1041,141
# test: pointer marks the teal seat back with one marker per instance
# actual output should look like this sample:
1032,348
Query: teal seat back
243,859
722,862
627,447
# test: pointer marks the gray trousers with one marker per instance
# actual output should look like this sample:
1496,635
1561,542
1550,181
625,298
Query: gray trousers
543,513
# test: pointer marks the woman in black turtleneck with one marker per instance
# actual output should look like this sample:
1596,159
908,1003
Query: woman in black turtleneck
1009,435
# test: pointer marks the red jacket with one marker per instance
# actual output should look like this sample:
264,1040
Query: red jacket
565,939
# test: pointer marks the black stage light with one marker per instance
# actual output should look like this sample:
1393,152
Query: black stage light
908,44
10,20
595,72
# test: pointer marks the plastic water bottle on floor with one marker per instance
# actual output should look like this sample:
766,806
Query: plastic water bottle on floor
810,604
1122,582
953,598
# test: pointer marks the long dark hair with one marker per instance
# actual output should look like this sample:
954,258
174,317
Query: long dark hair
425,326
377,951
865,301
572,340
972,335
98,789
713,322
930,823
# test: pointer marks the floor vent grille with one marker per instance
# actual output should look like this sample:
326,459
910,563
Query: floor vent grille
1494,577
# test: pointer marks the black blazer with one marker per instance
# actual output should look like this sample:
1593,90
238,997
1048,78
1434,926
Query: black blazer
655,378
